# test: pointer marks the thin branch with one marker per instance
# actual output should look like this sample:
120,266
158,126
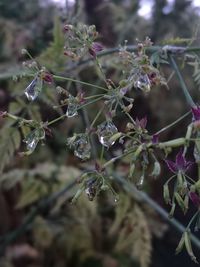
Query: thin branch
173,123
133,48
182,83
128,187
143,197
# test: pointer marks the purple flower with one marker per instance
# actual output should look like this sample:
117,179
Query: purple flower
95,48
195,199
180,164
196,113
141,123
47,77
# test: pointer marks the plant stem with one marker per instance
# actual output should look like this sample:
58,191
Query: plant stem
77,81
129,116
192,219
173,123
182,83
133,48
173,143
93,96
55,120
137,152
97,116
82,106
17,118
102,153
143,197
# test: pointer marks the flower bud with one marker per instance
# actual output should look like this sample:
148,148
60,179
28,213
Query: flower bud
24,51
156,169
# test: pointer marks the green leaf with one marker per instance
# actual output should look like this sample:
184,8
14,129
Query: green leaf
9,142
53,57
32,191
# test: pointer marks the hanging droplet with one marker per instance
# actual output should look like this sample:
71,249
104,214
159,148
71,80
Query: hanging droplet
90,192
140,182
91,188
116,200
82,147
34,88
142,82
105,131
31,142
196,154
33,138
72,107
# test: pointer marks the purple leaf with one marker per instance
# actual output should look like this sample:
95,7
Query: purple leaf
171,166
196,113
180,160
195,199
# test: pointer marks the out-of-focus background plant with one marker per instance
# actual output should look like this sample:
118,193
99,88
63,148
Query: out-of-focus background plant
38,225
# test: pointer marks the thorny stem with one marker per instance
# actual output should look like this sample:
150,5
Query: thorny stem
182,83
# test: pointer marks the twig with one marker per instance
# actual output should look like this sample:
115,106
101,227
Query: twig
143,197
128,187
173,123
133,48
182,83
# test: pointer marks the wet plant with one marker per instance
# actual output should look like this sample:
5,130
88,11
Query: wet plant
101,143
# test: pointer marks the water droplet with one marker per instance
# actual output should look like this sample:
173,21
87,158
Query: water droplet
196,154
34,88
82,147
143,83
33,138
91,189
140,182
90,192
105,131
72,107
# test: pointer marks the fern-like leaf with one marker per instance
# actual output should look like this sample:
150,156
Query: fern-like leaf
9,142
